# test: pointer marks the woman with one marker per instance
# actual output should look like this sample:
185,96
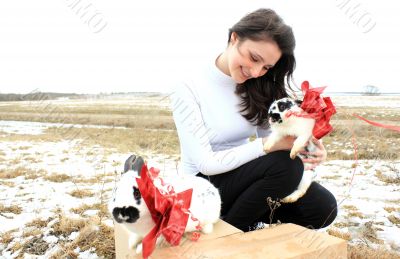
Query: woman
219,107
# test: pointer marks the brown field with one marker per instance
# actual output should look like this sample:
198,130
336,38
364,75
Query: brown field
149,126
146,126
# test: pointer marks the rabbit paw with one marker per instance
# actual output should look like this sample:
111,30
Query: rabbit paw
293,197
295,150
207,228
139,248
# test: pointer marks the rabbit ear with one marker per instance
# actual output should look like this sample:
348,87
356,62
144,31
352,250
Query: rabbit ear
128,163
134,163
138,164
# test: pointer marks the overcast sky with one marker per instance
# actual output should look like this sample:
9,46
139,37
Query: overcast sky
88,46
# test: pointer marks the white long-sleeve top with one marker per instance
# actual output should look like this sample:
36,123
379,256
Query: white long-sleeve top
213,135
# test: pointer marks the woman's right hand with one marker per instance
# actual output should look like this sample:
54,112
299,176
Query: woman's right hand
285,143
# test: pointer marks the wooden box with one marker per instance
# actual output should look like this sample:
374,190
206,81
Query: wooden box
282,241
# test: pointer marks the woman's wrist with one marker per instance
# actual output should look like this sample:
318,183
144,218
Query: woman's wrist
266,149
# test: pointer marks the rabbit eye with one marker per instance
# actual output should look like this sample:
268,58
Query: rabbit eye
282,107
136,193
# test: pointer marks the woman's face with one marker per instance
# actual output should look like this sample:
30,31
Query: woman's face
250,59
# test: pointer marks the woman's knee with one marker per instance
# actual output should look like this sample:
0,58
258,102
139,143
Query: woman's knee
325,207
283,168
330,212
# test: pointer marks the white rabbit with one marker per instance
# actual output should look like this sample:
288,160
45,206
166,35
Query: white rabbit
129,209
297,126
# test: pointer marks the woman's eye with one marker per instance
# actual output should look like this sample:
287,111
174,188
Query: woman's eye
253,58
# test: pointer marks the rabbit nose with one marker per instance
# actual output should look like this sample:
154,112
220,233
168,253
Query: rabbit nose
275,117
126,214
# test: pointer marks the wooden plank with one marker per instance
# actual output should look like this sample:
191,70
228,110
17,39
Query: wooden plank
221,228
283,241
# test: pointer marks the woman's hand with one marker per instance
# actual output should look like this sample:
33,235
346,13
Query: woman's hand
314,158
285,143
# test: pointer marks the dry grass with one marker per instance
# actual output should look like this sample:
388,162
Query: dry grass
395,220
331,177
101,207
346,224
21,171
8,236
371,142
355,214
365,252
65,226
391,209
368,233
150,127
93,234
130,116
100,237
66,252
93,180
38,223
32,160
349,207
17,246
24,147
136,141
2,159
339,234
8,184
387,179
58,178
35,174
12,173
62,160
10,209
121,140
32,232
35,246
81,193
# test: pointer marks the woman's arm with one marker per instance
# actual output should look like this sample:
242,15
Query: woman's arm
195,137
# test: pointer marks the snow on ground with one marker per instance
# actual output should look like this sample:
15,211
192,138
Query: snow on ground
36,128
364,198
369,202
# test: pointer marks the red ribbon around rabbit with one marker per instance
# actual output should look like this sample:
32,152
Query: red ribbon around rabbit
322,109
168,209
317,107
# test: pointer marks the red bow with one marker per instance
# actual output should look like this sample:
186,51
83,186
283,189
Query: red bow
317,107
168,209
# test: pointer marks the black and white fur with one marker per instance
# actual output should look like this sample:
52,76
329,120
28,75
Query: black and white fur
296,126
129,209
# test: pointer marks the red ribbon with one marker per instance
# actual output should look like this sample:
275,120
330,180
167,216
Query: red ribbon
317,107
377,124
168,209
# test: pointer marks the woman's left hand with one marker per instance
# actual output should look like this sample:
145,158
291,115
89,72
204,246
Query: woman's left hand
314,158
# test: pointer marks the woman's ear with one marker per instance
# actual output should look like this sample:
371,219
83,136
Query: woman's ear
234,38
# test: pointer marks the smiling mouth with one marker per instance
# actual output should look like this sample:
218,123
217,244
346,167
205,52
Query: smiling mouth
243,74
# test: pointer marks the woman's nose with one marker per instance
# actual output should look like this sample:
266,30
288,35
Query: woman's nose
256,71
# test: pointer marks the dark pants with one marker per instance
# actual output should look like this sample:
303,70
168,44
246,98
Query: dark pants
244,193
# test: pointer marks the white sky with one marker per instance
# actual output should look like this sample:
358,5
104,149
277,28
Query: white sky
148,45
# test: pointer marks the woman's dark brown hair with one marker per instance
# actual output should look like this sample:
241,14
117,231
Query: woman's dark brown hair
257,94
